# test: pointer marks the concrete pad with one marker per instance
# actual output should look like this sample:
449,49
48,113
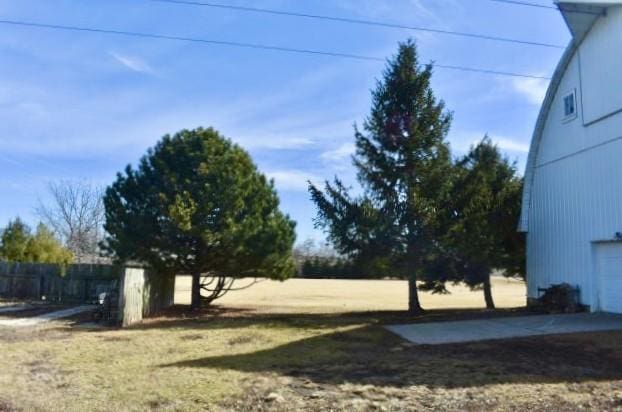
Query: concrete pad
36,320
505,328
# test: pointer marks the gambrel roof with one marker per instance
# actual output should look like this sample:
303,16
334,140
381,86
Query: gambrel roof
580,16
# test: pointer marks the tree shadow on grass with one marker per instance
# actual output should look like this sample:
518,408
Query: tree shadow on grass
222,317
370,355
365,353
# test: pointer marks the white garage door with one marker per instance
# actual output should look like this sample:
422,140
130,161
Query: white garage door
610,277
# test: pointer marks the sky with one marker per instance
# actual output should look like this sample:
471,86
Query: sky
81,106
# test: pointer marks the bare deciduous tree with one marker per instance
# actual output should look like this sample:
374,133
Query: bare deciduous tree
76,214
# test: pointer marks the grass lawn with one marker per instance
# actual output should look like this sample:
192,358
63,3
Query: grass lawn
251,357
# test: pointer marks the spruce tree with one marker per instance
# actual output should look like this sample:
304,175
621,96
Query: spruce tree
404,167
486,200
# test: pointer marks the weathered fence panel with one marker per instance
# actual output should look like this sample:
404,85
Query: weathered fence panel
131,296
140,292
70,284
143,293
158,293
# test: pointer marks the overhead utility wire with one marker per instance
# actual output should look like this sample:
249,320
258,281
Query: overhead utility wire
247,45
525,3
357,21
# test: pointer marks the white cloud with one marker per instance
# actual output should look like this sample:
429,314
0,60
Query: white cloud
510,145
133,63
287,119
533,89
292,180
270,141
411,12
426,13
463,141
339,154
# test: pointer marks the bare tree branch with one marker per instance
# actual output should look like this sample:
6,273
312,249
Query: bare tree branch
76,214
254,282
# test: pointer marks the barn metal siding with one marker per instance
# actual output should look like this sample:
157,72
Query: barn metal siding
575,202
576,196
602,45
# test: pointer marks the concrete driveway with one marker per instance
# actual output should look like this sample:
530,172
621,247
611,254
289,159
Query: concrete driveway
504,328
43,318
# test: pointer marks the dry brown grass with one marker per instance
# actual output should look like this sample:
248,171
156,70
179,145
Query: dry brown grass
253,358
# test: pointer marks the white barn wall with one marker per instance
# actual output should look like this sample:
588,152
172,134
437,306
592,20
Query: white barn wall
576,194
585,207
601,71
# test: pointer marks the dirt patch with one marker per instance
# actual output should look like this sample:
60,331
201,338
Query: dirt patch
162,404
245,339
192,337
116,339
6,406
42,370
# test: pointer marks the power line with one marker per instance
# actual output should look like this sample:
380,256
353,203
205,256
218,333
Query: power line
486,71
525,3
248,46
357,21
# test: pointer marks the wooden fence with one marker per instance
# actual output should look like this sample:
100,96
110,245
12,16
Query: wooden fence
140,292
69,284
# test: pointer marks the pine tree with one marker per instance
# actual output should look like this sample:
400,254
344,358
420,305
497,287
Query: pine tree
197,204
403,163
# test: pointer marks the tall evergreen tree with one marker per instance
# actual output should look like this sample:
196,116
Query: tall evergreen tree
486,196
404,164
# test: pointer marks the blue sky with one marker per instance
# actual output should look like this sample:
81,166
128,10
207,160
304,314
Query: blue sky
82,105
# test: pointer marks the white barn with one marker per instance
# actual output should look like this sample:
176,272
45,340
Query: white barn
572,201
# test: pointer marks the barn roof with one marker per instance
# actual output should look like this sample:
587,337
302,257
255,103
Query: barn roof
580,16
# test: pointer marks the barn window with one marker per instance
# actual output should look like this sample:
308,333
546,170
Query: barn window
570,106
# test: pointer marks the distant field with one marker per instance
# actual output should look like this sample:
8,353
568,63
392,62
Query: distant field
329,295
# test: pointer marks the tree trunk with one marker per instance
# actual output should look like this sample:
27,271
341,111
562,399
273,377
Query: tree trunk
196,291
414,307
490,304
